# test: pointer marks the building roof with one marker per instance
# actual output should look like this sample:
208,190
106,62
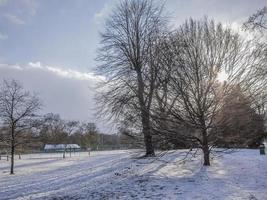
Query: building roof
61,146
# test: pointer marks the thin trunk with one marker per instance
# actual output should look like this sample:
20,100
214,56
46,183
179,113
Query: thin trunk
205,149
12,150
64,153
12,158
147,135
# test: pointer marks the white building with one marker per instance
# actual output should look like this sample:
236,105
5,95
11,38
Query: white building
61,147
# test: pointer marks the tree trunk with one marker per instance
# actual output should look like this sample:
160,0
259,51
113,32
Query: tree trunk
205,149
64,153
147,135
148,144
145,116
12,157
12,148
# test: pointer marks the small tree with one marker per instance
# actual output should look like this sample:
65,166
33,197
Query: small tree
89,135
69,128
17,110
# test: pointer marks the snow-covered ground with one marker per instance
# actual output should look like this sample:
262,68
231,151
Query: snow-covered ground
119,175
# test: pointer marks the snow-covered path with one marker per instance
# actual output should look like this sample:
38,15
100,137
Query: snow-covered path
117,175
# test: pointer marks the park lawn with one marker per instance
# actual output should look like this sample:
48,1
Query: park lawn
118,174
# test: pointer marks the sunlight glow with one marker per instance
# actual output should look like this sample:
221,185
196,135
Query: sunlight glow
222,76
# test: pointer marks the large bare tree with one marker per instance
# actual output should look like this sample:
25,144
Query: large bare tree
129,62
17,110
195,56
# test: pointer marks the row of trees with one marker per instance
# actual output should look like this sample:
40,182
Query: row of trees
163,84
23,129
54,130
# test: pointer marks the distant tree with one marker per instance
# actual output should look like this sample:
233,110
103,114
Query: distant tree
87,135
129,62
52,129
238,123
69,128
17,110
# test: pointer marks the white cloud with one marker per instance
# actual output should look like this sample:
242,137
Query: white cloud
3,36
62,72
35,65
14,19
66,73
67,92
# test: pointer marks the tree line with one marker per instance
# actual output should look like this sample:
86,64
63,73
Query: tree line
162,85
24,130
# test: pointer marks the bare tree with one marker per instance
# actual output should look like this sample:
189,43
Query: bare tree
69,128
54,130
90,135
195,55
129,63
257,24
257,21
17,109
51,129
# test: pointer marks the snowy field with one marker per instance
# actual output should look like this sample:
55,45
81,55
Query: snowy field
119,175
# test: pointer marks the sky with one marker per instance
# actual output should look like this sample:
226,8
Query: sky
50,45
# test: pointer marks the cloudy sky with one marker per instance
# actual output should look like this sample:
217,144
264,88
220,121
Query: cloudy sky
50,45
